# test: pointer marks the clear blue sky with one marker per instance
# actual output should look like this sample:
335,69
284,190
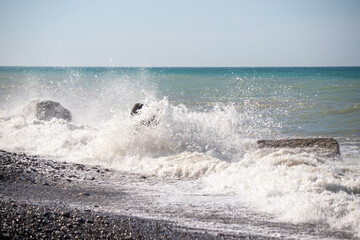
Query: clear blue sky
179,33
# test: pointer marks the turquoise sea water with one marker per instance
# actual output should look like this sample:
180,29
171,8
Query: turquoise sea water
202,153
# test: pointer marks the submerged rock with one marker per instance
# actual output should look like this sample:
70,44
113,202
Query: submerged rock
136,108
148,122
329,144
47,110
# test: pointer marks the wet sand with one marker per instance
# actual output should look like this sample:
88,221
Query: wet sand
44,199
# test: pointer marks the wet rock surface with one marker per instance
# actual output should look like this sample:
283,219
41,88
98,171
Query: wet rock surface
38,199
329,144
46,110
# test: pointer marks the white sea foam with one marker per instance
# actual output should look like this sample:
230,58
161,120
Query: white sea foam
297,188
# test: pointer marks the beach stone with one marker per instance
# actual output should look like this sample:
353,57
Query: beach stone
81,221
329,144
65,214
47,110
5,235
136,111
136,108
84,194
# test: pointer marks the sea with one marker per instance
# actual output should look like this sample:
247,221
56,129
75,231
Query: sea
200,147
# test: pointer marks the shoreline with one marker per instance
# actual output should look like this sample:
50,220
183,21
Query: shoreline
41,198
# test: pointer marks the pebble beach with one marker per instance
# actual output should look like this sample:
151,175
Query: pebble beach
37,197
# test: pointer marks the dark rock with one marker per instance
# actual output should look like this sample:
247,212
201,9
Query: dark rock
80,166
329,144
81,221
84,194
5,235
47,110
136,108
136,111
65,214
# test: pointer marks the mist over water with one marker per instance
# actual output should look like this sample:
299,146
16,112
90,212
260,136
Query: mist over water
207,123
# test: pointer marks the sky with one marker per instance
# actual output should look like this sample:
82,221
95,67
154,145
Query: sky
183,33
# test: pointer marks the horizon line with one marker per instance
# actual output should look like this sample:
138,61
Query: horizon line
83,66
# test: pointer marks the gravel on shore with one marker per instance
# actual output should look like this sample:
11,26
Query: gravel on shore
26,221
26,179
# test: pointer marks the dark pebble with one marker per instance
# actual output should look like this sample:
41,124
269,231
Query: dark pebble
81,221
5,235
65,214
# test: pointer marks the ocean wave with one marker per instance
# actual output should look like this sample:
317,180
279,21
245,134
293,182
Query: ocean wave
214,145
